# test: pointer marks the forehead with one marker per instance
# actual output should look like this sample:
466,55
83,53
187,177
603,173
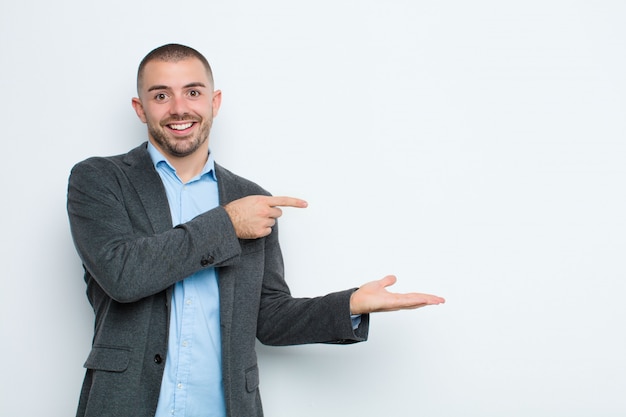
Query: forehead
174,74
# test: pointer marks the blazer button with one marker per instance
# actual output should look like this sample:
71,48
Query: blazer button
207,261
158,359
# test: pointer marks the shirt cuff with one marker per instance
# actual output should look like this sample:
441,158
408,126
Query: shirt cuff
356,320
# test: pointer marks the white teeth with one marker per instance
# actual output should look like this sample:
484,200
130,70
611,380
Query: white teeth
181,127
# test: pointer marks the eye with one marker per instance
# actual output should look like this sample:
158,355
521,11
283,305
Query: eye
194,93
160,97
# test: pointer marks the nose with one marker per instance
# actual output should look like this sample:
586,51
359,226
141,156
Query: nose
178,106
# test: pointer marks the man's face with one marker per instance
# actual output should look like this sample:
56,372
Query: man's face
177,102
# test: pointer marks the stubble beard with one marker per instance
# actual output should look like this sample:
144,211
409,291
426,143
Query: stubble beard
180,147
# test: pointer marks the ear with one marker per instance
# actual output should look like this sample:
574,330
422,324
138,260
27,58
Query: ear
216,102
139,109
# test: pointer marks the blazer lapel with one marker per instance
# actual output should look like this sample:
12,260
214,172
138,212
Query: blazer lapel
149,188
147,184
226,275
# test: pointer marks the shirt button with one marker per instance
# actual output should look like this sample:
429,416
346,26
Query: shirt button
158,359
180,386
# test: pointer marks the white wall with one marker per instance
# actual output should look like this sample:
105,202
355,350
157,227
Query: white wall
474,148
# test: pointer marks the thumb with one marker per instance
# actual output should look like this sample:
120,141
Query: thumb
388,281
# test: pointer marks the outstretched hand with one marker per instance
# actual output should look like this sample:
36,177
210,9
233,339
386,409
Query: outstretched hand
374,297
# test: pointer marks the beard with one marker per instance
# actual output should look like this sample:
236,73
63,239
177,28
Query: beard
179,146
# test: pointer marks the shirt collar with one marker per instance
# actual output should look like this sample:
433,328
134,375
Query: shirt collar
159,160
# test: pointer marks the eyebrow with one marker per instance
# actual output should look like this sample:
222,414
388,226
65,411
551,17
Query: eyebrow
164,87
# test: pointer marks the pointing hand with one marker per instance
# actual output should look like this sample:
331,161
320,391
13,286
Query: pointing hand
254,216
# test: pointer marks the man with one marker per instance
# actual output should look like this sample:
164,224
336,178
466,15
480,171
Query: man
183,265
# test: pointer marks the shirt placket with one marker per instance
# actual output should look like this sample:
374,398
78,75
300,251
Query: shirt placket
183,369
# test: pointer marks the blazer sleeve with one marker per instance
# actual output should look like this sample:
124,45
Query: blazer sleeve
129,255
284,320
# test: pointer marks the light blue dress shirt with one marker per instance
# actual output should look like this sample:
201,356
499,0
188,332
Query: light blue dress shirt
192,379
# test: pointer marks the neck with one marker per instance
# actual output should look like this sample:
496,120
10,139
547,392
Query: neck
190,165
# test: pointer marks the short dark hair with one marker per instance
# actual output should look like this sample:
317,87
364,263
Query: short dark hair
172,52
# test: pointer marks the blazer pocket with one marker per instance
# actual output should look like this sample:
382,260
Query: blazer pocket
105,358
252,378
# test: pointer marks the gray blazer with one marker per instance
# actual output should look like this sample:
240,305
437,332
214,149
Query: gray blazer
132,255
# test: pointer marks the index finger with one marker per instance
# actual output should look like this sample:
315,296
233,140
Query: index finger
286,202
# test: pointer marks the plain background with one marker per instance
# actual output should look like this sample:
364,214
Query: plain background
475,149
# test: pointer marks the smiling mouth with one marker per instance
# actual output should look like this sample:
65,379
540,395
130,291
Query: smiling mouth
180,126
